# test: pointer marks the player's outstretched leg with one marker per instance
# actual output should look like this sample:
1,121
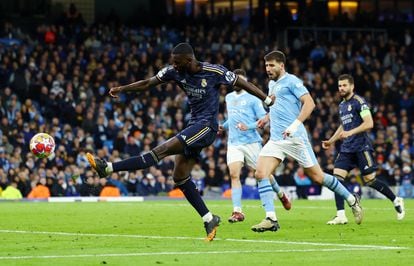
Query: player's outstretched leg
99,165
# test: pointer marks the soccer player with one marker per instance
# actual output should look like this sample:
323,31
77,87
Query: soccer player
200,81
288,137
356,148
244,143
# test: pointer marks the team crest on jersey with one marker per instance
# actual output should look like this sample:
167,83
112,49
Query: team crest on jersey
230,76
243,102
349,108
203,83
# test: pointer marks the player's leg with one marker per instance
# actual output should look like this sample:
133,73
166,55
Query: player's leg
301,150
340,217
251,154
368,166
236,190
182,179
170,147
269,159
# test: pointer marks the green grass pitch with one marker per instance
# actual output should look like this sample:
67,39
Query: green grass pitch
171,233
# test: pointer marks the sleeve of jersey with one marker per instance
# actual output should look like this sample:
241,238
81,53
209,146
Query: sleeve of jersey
165,74
364,110
297,88
227,77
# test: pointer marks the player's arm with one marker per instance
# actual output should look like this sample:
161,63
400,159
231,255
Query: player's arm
307,107
252,89
140,85
367,124
327,143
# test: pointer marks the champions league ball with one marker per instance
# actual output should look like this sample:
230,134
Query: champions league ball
42,145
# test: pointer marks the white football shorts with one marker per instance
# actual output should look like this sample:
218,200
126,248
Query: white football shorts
247,153
296,148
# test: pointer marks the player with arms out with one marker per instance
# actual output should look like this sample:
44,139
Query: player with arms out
356,148
244,143
289,137
200,81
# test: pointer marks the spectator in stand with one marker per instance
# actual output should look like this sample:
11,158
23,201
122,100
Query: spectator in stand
40,191
11,192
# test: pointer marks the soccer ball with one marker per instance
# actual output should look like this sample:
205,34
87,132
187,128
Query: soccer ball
42,145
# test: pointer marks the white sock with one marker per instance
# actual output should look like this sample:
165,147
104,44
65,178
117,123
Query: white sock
109,169
271,215
207,217
237,209
340,213
396,201
351,200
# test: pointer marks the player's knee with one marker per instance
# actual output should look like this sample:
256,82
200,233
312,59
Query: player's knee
369,179
234,176
259,174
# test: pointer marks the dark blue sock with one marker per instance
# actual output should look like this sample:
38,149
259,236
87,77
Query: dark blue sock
339,200
381,187
136,162
193,196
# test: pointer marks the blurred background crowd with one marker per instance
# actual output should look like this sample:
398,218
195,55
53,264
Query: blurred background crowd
55,78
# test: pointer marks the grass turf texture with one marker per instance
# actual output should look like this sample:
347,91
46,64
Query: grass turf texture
171,233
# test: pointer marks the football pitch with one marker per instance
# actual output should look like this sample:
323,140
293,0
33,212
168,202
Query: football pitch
170,232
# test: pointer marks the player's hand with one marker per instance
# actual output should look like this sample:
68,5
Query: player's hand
113,92
326,144
270,100
220,128
290,130
241,126
261,123
345,134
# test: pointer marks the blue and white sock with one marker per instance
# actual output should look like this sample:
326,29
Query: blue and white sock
333,184
236,196
266,196
276,187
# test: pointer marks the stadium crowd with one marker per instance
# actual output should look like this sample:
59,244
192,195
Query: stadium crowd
56,80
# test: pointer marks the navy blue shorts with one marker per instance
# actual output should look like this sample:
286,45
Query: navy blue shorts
196,137
364,160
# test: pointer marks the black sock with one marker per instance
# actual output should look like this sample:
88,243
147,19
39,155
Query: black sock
339,201
381,187
193,196
136,162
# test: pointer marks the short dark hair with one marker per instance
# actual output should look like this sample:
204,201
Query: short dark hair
278,56
346,77
183,48
240,71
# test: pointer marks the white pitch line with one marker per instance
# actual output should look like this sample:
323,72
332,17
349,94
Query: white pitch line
197,238
178,253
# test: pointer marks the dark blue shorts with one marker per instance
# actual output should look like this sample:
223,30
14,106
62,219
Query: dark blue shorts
364,160
196,137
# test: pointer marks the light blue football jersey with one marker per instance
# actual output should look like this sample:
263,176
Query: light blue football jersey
288,90
247,109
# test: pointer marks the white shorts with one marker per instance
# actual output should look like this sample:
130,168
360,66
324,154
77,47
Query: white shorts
296,148
247,153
